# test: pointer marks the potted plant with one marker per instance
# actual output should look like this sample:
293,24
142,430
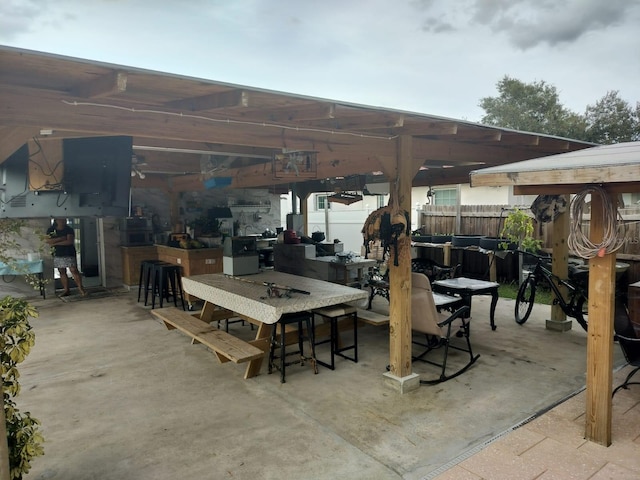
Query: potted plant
23,437
518,229
207,230
20,438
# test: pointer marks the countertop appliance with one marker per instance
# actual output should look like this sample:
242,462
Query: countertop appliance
135,231
240,256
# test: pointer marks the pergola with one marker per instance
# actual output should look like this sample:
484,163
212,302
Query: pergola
174,120
615,168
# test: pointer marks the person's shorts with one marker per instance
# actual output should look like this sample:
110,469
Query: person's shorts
64,262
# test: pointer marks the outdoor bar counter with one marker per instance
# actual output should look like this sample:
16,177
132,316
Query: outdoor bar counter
194,261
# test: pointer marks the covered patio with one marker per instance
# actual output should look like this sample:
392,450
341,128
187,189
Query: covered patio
122,397
255,139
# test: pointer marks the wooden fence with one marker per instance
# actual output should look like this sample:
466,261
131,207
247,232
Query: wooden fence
488,220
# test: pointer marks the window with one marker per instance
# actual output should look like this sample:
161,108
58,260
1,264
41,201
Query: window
444,196
381,201
321,201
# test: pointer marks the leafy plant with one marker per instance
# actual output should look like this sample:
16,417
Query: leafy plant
24,440
10,249
206,225
518,228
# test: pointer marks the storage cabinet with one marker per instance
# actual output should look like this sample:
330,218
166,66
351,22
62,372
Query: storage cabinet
195,261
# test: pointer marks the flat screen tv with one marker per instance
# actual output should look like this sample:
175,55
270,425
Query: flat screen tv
96,180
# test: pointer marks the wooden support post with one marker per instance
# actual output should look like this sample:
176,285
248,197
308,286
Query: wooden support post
174,208
304,210
560,257
493,270
602,274
446,254
400,276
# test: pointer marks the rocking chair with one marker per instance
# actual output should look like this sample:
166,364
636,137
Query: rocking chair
437,329
629,342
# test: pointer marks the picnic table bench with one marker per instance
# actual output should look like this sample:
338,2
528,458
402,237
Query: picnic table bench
225,346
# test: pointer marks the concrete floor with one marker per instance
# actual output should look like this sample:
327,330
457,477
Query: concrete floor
120,397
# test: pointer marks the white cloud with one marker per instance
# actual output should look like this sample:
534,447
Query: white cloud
432,56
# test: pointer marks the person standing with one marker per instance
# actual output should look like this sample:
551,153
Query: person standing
62,238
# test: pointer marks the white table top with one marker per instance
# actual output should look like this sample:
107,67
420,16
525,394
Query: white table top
465,283
248,298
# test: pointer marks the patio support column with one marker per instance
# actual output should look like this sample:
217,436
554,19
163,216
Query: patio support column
303,194
600,335
174,208
399,376
559,262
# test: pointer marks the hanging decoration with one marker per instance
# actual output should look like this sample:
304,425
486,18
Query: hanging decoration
295,164
386,225
614,228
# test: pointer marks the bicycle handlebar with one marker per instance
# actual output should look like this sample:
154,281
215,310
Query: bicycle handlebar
539,257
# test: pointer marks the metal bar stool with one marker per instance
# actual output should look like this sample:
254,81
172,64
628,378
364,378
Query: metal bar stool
287,319
166,282
333,314
146,276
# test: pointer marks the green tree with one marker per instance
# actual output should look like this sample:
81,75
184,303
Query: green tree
612,120
533,107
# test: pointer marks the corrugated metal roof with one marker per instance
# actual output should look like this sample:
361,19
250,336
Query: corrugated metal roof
606,164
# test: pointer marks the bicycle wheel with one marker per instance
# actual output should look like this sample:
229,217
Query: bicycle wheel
581,314
524,300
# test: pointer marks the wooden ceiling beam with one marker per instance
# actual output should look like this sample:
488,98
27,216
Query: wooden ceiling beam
328,166
449,152
107,85
549,189
442,176
478,134
513,138
295,113
231,99
427,129
37,108
603,174
359,123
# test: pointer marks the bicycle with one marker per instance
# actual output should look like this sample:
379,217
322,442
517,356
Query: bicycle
574,305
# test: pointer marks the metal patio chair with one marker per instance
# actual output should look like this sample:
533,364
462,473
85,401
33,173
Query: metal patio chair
437,328
627,338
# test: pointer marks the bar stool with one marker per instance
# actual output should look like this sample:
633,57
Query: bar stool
288,319
334,313
165,275
146,275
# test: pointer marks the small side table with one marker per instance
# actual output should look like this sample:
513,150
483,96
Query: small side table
467,288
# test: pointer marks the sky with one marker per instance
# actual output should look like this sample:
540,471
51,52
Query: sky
437,57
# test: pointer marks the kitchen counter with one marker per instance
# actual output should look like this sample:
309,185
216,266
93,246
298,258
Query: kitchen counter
194,261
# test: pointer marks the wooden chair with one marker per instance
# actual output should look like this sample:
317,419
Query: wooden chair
625,335
438,330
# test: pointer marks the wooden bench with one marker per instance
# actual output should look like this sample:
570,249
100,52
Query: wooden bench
224,345
372,318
